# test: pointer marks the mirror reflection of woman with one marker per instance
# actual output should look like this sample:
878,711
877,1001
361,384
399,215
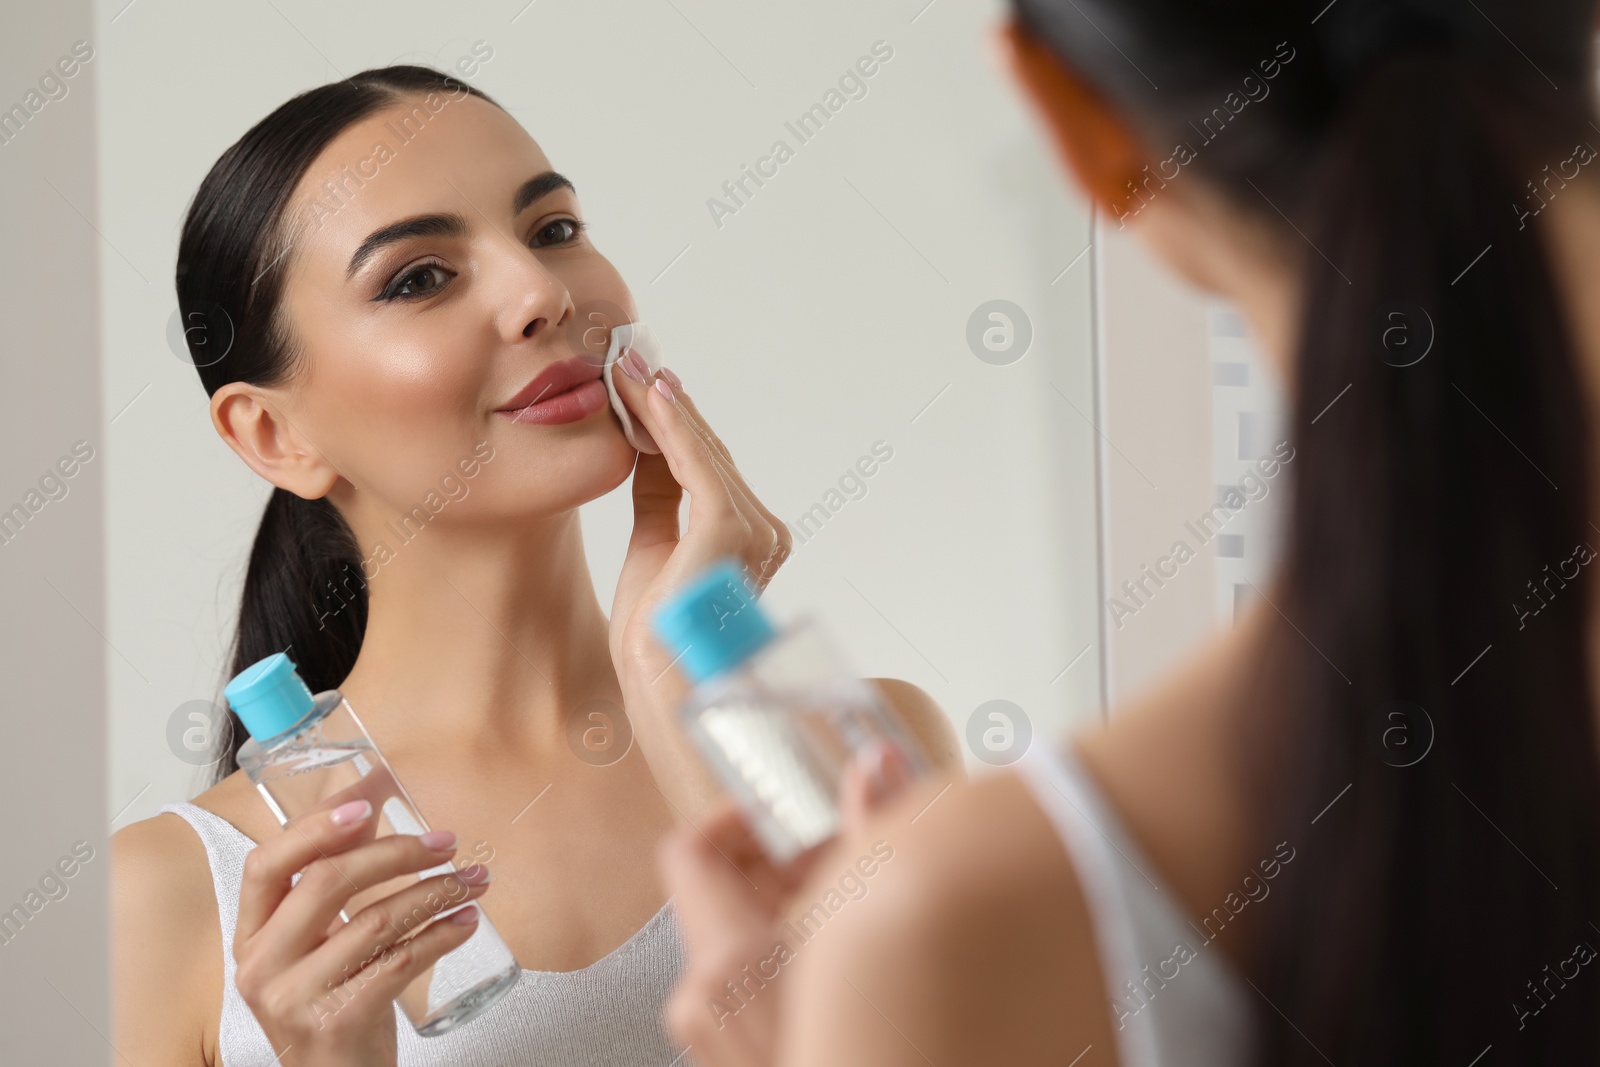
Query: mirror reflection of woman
414,370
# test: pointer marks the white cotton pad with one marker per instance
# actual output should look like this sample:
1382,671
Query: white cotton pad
641,339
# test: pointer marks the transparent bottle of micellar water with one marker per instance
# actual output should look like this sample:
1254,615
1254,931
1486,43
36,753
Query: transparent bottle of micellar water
309,752
777,714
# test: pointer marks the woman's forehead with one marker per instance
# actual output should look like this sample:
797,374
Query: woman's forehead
422,155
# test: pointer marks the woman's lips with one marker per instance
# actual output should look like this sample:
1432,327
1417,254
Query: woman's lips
576,403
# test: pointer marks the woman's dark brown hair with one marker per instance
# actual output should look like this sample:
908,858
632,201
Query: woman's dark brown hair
304,591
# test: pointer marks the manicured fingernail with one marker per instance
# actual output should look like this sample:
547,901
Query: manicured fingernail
666,372
639,364
438,840
477,874
663,388
628,367
352,812
466,916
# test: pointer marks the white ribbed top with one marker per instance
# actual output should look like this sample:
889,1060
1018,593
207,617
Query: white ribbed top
1173,1000
607,1014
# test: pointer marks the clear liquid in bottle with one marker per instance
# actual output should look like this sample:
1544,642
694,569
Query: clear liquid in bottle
777,714
310,753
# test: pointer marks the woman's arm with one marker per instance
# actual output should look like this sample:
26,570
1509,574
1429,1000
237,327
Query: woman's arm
166,965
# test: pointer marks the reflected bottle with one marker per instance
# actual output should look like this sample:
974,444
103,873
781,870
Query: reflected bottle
778,715
309,752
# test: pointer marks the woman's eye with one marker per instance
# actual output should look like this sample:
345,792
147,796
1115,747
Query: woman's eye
557,232
417,282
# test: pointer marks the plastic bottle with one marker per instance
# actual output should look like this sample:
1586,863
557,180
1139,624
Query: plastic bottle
778,715
311,752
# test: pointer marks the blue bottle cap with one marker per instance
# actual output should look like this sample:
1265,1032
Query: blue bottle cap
269,696
714,623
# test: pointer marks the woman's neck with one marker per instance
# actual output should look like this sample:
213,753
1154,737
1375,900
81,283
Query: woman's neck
1570,227
498,634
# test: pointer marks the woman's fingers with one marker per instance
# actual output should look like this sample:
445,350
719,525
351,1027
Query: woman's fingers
270,867
721,520
300,1007
328,883
769,542
386,923
725,872
877,775
689,457
401,964
631,376
728,896
781,541
740,524
703,428
657,499
713,874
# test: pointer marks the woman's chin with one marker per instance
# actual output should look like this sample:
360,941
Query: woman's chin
606,463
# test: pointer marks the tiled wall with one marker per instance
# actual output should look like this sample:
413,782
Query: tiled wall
1247,423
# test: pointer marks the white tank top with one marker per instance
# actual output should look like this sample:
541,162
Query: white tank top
607,1014
1173,999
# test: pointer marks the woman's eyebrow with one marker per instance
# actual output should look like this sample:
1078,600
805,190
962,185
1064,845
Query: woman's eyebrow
534,188
449,224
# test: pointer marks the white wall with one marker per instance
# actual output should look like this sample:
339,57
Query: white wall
1188,405
53,656
825,315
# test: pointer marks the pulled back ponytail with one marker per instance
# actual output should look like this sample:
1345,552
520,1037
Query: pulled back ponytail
303,591
1435,495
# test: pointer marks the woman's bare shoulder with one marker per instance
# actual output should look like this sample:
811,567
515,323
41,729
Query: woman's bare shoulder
166,937
1172,765
236,800
925,720
970,933
166,964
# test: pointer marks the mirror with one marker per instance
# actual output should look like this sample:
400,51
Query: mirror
838,219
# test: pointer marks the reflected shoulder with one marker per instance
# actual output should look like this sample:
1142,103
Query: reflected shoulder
973,936
925,720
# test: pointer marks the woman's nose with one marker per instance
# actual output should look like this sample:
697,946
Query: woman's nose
535,302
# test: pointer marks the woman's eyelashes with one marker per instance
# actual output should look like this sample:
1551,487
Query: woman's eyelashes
412,283
399,288
572,229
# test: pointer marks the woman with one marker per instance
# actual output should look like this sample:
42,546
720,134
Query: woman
418,324
1361,828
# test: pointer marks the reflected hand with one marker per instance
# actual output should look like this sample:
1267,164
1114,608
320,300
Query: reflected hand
731,900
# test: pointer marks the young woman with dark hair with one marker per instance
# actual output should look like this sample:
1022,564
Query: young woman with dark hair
1364,826
418,321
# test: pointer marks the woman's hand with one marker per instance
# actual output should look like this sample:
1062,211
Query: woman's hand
731,900
725,519
323,989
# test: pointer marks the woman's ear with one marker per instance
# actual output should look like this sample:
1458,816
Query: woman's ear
1093,141
259,432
